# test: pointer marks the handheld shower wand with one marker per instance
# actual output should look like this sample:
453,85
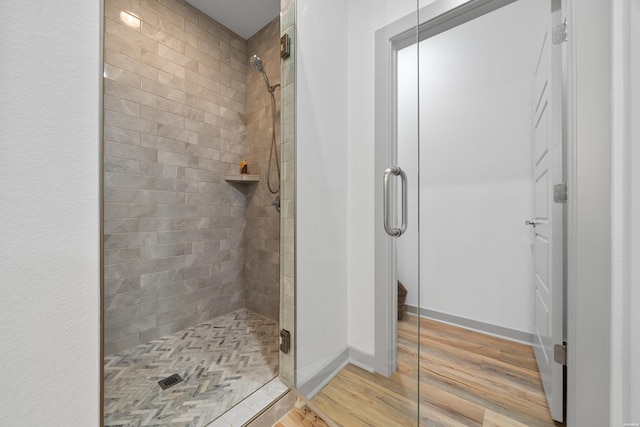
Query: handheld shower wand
256,64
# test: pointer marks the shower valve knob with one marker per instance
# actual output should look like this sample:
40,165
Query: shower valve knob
276,203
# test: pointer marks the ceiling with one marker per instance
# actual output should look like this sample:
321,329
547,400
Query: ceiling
243,17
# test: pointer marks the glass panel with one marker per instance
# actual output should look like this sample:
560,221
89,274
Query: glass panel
407,245
191,235
356,117
438,173
476,190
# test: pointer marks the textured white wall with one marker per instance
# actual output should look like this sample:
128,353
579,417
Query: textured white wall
321,194
475,168
49,170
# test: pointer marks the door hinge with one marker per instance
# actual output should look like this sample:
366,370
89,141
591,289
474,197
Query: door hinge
560,354
560,193
285,46
285,341
560,33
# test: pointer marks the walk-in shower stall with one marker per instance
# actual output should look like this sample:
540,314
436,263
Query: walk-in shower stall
191,242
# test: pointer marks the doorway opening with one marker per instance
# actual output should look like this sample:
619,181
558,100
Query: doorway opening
467,145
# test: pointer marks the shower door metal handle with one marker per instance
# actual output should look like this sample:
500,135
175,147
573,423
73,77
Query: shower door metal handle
386,199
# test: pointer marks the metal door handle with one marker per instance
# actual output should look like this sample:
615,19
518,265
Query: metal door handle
394,231
531,222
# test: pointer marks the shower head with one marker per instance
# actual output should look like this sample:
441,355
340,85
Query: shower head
256,64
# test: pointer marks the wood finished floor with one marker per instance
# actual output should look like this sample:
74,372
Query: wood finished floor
301,416
466,379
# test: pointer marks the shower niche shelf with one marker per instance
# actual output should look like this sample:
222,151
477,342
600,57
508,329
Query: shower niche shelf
242,179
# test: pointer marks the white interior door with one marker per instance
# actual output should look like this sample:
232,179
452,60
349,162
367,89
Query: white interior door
548,220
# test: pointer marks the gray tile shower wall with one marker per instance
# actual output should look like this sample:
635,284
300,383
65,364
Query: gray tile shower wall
177,236
262,230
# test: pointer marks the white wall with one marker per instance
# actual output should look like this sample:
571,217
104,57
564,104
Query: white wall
620,209
321,194
335,176
589,211
49,169
475,169
633,195
625,293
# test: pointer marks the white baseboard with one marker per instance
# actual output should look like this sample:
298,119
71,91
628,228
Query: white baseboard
475,325
361,359
366,361
325,374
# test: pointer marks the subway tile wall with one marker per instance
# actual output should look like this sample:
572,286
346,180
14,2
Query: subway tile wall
175,123
262,230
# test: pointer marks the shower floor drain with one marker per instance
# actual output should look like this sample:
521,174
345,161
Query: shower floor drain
170,381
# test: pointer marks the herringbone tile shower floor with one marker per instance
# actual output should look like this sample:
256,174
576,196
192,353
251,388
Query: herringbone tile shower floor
222,361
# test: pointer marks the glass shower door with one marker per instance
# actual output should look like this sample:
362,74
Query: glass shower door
357,359
405,377
397,271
